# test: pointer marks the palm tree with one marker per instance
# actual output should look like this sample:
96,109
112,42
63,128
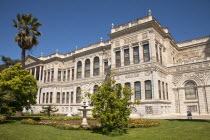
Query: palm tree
28,33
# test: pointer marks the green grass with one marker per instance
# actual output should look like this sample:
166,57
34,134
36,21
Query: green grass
168,130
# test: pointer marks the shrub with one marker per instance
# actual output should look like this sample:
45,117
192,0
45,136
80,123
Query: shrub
143,123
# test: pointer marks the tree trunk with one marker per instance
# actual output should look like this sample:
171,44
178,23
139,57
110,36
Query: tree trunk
23,53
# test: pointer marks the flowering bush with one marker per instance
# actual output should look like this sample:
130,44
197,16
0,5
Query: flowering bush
136,123
65,118
2,118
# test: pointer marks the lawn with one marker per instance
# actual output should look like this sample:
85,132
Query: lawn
169,129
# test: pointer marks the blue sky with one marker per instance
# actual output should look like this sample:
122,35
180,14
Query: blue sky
70,23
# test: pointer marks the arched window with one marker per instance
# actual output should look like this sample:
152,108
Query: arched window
79,70
95,89
190,90
148,89
87,68
78,95
96,66
128,84
137,86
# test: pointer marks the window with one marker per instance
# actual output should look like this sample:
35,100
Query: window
118,59
68,75
52,75
156,49
96,66
136,55
159,88
146,52
137,88
128,85
63,98
67,97
190,90
106,67
192,108
48,76
148,89
59,75
126,57
47,97
78,95
72,97
51,94
164,96
166,91
161,59
43,97
79,70
95,89
64,75
45,76
72,74
87,68
58,97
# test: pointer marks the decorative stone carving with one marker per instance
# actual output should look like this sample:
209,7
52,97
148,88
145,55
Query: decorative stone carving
29,61
176,79
144,36
130,40
131,75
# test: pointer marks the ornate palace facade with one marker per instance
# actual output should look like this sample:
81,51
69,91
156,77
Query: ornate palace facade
168,77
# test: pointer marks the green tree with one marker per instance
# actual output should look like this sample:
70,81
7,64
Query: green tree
7,62
111,107
18,89
28,33
48,110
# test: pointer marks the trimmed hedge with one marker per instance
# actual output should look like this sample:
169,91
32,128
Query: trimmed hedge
18,118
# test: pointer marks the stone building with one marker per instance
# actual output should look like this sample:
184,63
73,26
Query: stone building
168,77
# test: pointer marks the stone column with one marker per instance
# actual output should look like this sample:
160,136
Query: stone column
30,70
75,70
155,85
37,99
113,60
35,73
46,75
152,46
50,75
131,54
91,67
54,97
122,56
43,75
40,72
141,53
70,74
74,99
83,68
66,75
101,64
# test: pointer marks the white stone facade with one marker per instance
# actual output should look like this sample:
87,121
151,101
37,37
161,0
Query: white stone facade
168,77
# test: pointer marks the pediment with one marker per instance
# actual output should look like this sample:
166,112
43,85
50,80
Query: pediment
30,60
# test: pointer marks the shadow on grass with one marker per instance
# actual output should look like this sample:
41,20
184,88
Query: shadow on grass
7,121
189,120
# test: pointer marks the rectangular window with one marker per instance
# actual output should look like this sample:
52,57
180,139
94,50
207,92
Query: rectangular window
67,97
166,91
43,98
106,67
126,57
68,75
59,75
148,89
52,75
118,59
64,75
45,74
164,97
192,108
48,76
146,52
72,74
51,96
47,97
159,88
136,55
72,97
137,90
58,97
161,59
156,49
128,85
63,98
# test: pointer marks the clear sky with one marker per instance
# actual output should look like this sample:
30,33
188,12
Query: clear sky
70,23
